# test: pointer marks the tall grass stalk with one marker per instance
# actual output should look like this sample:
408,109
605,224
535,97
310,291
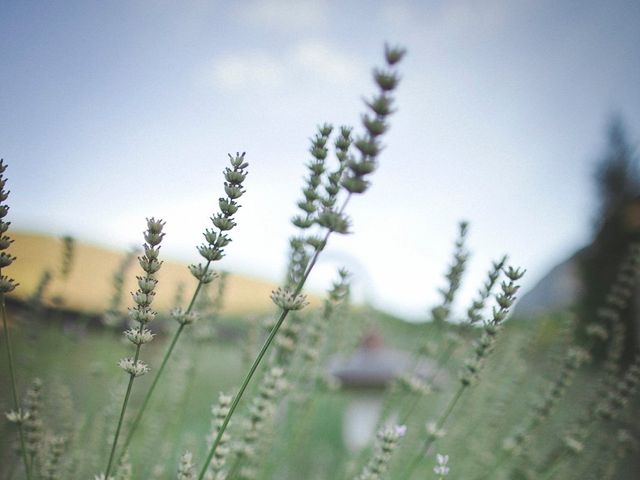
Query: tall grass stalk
165,359
353,180
14,389
258,360
212,251
473,366
7,285
143,314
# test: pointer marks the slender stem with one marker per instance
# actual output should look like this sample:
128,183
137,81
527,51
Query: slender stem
414,403
123,410
558,459
447,412
14,389
198,288
243,387
263,351
117,434
300,431
431,439
145,402
138,418
234,468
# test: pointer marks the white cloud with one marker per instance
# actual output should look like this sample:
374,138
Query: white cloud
467,18
284,15
260,70
319,59
243,71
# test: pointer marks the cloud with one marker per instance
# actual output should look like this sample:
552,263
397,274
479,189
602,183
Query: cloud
310,60
284,15
467,18
244,71
331,65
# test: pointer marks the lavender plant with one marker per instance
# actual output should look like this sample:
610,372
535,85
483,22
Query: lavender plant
216,239
355,181
473,365
7,284
142,314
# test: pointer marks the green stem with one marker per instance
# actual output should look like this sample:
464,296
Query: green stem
14,389
427,445
145,402
262,352
123,410
243,387
138,418
234,469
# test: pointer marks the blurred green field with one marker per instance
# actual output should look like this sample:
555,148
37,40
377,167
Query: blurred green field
305,439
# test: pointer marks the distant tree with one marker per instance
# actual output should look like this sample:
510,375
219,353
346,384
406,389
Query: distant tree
616,225
617,176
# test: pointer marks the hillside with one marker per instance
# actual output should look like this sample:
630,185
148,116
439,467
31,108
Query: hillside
89,285
557,290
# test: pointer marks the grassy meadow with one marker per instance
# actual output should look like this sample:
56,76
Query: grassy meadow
82,386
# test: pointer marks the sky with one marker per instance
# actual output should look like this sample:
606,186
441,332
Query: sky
113,111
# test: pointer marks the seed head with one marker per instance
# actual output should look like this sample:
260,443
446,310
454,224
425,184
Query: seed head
441,468
186,470
135,368
287,300
18,417
142,315
393,54
7,284
202,273
6,259
182,317
137,337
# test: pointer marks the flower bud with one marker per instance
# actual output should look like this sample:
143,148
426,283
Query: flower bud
286,299
227,206
5,242
223,223
182,317
138,337
135,368
210,253
355,184
233,191
149,266
387,81
234,177
147,284
6,259
7,284
142,314
202,273
393,54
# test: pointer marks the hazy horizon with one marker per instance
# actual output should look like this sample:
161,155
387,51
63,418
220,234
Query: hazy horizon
115,112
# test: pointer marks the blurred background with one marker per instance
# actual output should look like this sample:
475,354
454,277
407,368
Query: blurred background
520,117
117,111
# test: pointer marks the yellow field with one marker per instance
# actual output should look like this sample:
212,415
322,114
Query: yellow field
89,286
